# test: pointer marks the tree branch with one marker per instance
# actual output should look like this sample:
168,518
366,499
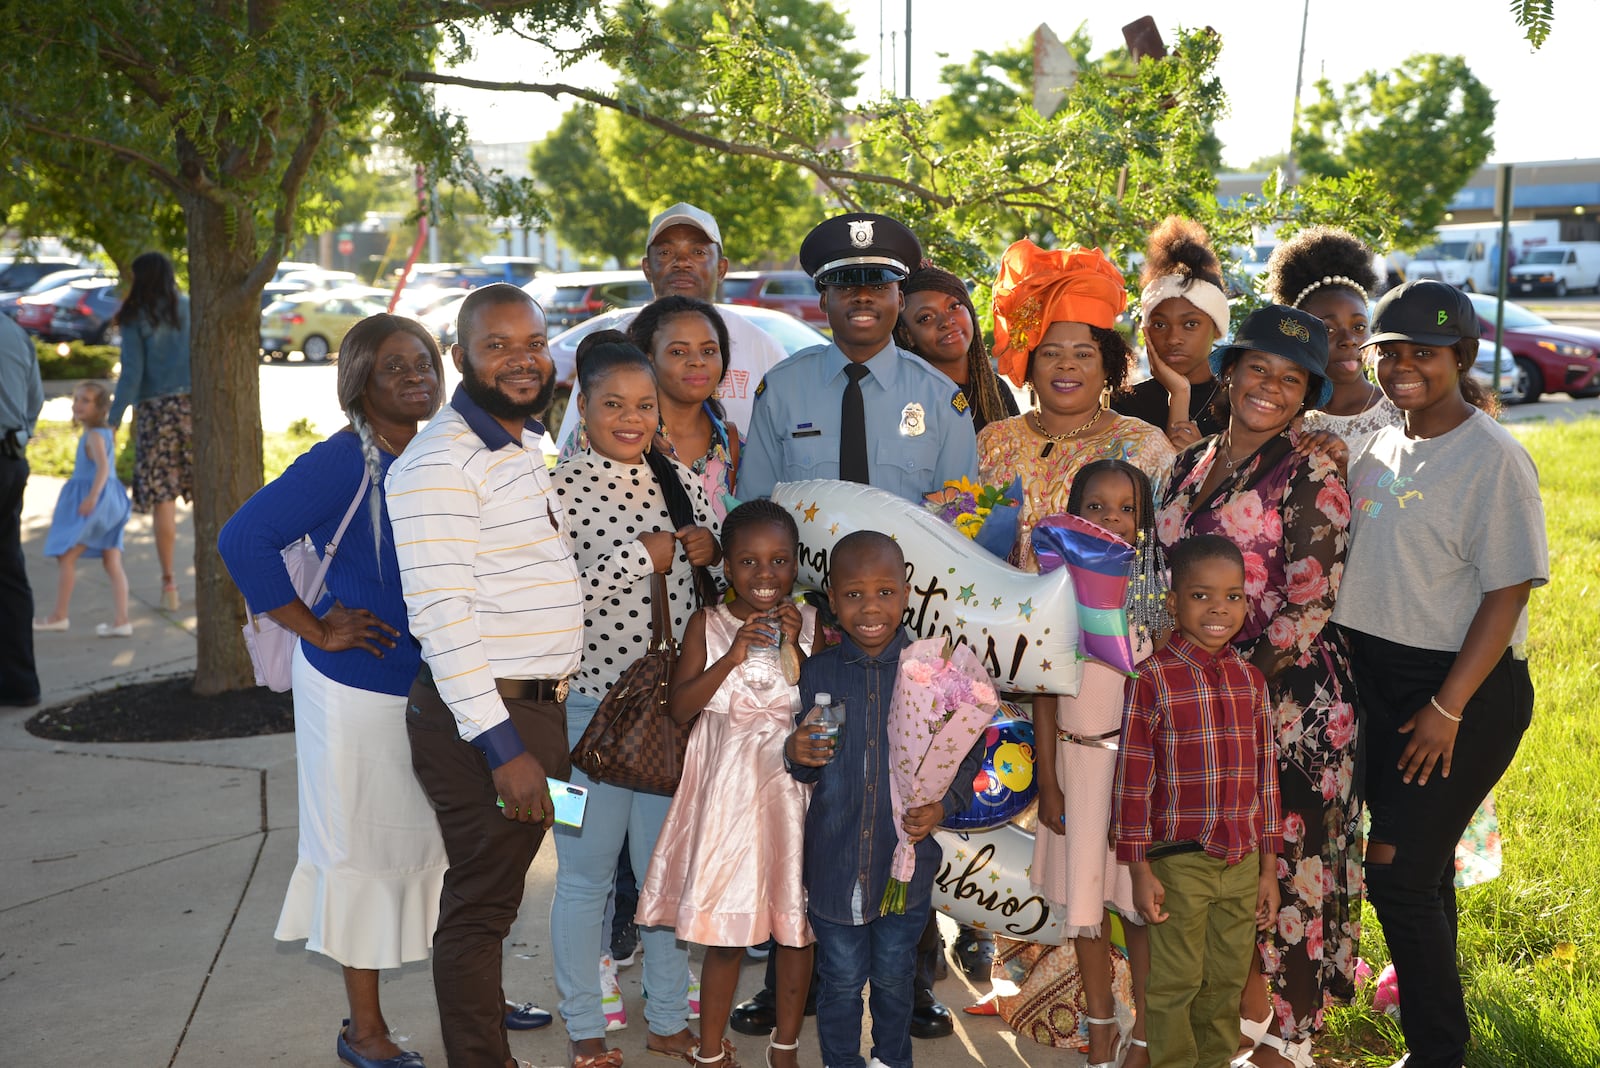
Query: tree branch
156,169
684,133
289,187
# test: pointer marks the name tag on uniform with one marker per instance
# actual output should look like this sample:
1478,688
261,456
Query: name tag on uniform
805,430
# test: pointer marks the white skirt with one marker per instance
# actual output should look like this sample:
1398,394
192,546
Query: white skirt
366,889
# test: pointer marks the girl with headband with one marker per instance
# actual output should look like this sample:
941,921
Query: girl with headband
1185,314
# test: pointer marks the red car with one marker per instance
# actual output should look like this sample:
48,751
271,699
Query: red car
34,311
1550,358
785,291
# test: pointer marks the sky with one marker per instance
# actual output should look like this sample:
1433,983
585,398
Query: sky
1543,97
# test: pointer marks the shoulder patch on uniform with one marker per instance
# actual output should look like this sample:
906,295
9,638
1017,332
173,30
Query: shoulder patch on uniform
761,387
958,401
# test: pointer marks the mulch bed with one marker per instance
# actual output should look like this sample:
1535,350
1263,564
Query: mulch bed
166,710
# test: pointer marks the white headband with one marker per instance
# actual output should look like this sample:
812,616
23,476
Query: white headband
1197,291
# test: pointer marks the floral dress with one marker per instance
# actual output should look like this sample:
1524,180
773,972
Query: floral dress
1290,516
1010,449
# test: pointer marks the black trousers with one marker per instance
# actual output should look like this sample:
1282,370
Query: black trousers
19,680
1414,894
489,858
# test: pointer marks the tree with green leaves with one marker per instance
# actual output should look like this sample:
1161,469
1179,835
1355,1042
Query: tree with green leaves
231,108
597,217
1423,129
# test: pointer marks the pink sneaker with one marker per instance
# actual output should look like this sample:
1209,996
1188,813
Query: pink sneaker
611,995
694,996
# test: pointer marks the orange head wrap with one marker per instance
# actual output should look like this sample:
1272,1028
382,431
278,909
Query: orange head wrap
1037,287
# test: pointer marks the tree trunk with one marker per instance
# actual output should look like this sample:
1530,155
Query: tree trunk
225,362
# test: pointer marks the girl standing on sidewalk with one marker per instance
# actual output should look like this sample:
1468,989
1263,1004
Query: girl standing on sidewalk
90,514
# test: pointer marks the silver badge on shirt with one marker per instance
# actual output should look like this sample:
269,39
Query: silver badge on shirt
912,420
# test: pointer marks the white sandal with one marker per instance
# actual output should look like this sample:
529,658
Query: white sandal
1128,1046
1116,1054
773,1043
1296,1053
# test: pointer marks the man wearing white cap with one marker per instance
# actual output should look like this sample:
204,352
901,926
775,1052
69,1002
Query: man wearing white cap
683,257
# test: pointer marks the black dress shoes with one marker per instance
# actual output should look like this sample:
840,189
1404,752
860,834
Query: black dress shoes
975,957
758,1016
931,1021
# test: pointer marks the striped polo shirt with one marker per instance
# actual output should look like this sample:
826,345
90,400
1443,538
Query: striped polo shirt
491,586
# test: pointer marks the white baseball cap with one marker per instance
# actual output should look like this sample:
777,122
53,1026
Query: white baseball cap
688,215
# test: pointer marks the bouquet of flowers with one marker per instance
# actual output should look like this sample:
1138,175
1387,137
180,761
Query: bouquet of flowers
986,514
943,702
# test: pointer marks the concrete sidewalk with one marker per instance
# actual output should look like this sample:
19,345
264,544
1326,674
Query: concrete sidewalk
140,883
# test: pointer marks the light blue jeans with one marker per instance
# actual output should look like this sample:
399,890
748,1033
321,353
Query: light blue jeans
586,873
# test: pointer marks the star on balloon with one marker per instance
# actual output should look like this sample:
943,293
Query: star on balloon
997,602
1045,664
966,596
1025,609
811,513
833,529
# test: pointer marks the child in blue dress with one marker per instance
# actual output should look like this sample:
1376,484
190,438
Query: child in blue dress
90,514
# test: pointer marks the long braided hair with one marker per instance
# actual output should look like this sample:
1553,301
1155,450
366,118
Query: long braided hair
1146,602
986,383
358,360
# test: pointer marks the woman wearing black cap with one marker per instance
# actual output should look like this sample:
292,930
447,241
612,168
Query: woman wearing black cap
1288,513
940,324
1447,542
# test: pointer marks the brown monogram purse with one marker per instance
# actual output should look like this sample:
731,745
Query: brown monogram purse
632,741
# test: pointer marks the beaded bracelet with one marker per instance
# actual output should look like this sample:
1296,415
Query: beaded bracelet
1437,707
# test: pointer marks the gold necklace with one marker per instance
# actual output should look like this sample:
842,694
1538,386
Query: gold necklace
1055,439
385,443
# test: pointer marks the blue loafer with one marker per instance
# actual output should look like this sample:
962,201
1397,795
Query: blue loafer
406,1059
526,1017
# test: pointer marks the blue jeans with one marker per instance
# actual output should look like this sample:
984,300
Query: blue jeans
884,952
586,872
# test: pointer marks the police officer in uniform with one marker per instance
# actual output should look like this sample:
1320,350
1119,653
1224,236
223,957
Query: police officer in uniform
865,410
861,408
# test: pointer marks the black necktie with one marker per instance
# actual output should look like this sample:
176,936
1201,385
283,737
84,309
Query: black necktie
853,427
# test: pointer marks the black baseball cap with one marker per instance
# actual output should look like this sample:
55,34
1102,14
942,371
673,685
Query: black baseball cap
859,249
1297,336
1424,311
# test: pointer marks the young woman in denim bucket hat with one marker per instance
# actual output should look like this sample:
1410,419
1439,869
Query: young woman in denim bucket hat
1260,485
1447,542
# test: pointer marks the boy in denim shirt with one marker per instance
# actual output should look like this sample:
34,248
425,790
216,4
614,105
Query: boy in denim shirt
850,835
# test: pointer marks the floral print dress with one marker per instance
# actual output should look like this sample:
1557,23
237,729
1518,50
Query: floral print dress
1290,516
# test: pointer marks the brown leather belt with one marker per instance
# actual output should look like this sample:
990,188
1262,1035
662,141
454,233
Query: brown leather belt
532,689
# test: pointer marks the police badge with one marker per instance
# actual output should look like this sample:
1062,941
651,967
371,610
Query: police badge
860,232
912,420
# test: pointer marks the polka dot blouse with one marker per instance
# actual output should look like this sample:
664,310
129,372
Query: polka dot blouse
609,504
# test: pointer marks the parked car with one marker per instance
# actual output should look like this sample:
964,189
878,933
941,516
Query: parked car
1483,370
20,276
1549,358
789,332
786,291
53,279
1557,268
315,322
316,278
569,299
33,311
85,312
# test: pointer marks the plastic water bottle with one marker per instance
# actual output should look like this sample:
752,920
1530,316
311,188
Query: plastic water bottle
830,718
762,669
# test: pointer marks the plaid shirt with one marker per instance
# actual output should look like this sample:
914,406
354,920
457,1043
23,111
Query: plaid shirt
1198,761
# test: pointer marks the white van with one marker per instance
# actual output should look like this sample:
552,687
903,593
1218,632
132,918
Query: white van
1557,268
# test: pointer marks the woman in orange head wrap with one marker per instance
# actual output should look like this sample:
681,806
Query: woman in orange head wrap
1053,327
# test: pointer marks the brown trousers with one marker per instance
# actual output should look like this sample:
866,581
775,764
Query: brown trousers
489,858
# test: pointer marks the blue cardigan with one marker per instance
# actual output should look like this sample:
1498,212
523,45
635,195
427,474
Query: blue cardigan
310,498
155,363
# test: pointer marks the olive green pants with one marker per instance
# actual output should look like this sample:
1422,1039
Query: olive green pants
1199,957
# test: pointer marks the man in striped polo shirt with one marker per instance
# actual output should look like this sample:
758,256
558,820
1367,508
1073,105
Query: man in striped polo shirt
492,596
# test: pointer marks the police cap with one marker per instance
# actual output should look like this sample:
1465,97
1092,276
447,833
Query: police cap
859,249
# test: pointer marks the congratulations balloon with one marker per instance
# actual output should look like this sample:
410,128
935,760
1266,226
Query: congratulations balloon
1023,626
983,882
1004,785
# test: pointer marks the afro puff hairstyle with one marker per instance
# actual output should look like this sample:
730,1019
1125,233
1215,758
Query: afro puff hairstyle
1180,246
1313,254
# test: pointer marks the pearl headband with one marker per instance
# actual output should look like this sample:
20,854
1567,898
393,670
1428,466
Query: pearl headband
1328,280
1197,291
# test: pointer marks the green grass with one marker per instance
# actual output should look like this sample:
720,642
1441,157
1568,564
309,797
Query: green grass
53,448
1530,940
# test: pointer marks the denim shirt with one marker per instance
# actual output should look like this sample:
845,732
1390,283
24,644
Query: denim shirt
155,362
850,825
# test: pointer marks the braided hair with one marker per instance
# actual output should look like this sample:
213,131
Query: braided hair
1146,602
358,361
987,396
754,514
1318,257
599,361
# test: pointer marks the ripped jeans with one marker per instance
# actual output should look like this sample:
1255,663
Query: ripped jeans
1414,893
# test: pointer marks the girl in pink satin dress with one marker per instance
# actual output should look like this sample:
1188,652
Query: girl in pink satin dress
726,870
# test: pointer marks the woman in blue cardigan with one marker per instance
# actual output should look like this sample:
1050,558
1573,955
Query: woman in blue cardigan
371,862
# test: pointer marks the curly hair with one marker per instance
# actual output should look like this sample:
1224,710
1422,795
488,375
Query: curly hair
1180,246
1114,357
1297,267
929,278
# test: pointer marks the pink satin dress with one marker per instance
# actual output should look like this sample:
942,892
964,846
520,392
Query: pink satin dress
726,870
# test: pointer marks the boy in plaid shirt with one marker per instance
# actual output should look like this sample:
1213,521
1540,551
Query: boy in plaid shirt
1196,813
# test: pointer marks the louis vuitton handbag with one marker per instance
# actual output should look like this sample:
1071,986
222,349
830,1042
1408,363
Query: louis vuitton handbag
632,741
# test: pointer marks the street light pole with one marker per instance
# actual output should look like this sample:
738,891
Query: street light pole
908,49
1299,71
